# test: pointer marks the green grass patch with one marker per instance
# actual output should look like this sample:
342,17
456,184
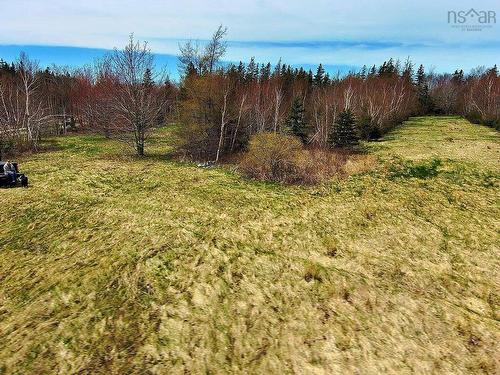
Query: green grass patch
409,169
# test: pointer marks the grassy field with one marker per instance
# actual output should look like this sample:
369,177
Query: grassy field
116,265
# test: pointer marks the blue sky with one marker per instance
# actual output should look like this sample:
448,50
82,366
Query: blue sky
339,34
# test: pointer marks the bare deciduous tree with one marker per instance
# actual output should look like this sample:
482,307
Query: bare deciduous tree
23,111
215,49
206,62
136,103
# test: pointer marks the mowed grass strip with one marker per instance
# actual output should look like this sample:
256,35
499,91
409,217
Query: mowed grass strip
112,264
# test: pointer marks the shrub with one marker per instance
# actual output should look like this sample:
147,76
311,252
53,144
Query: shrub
272,157
6,147
474,117
323,164
367,129
195,143
282,158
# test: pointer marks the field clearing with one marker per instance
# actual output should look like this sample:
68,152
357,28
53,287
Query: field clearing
114,265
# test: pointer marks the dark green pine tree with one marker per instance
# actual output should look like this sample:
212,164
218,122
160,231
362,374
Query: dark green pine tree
3,64
283,69
407,73
363,72
256,71
265,72
382,69
296,124
6,68
420,76
326,80
241,71
191,70
319,76
251,69
424,96
343,132
277,69
147,80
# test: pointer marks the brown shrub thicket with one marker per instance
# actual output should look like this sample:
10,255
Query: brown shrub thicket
282,158
273,157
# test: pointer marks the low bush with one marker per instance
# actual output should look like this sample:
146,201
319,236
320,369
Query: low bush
7,146
194,142
367,129
477,118
273,157
282,158
474,117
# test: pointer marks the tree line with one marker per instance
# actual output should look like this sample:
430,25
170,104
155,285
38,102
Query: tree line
121,95
221,106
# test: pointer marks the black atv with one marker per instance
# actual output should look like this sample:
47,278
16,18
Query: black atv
6,181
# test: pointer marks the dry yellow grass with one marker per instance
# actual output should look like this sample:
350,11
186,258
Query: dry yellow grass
116,265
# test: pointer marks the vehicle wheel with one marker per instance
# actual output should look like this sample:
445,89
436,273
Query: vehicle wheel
24,181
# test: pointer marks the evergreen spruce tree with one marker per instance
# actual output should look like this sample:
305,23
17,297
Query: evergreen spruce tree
241,71
425,99
363,72
277,68
302,75
148,79
343,132
250,72
382,69
256,71
326,80
232,72
283,69
420,76
310,78
407,73
424,96
397,68
6,68
265,72
389,68
319,76
295,124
